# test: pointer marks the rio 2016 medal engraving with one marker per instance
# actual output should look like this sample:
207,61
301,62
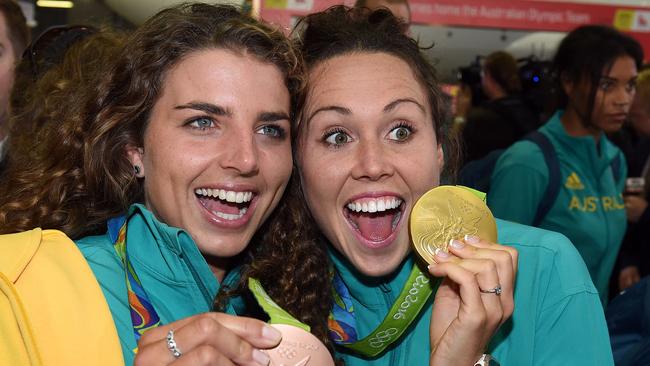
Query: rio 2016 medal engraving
299,348
449,212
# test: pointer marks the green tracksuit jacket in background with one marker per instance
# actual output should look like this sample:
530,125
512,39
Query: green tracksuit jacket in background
558,318
589,208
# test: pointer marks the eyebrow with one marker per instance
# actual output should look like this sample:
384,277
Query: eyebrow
221,111
272,116
392,105
609,78
389,107
207,108
331,108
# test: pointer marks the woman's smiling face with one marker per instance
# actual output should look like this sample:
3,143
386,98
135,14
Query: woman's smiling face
367,151
217,152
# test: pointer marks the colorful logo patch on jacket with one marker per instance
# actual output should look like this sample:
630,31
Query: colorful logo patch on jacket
573,182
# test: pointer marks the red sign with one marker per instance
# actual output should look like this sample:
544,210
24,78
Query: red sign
534,15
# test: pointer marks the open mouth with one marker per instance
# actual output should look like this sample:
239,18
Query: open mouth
226,205
375,219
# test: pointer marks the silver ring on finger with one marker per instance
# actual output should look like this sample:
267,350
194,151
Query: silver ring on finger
496,290
171,345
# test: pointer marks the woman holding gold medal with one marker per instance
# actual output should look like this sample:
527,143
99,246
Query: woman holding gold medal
371,142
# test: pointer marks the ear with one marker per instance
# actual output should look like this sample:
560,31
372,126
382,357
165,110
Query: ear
136,156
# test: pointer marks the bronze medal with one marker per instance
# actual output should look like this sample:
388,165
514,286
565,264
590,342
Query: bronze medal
445,213
299,348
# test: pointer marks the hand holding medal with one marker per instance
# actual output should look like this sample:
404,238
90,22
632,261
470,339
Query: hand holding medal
453,230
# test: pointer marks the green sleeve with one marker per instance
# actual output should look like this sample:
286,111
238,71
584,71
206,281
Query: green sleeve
571,327
518,183
565,327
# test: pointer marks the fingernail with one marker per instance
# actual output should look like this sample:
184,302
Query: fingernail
472,239
456,244
261,357
441,253
271,334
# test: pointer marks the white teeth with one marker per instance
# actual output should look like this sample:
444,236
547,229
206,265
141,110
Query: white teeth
231,217
375,205
381,206
229,196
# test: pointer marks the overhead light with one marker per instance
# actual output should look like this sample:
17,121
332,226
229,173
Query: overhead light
54,4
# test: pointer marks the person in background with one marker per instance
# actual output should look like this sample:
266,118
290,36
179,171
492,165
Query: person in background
370,143
40,127
14,38
596,69
634,139
400,8
504,118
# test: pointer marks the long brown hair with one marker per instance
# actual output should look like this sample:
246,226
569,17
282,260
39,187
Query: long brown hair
126,98
43,182
110,111
76,183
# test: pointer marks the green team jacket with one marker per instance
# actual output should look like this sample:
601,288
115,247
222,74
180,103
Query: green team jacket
173,272
558,318
589,208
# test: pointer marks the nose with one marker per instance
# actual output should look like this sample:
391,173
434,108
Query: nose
240,154
372,161
624,96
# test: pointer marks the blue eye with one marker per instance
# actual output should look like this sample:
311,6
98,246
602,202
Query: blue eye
400,133
337,138
202,123
272,131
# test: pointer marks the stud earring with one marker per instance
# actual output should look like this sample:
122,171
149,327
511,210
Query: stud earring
137,169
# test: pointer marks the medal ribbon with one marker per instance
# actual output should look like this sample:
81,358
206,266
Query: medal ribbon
409,303
277,315
143,315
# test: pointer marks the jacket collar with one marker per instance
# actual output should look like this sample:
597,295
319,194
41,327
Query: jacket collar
163,249
371,291
599,157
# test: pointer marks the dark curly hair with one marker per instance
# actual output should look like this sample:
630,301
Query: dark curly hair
126,98
337,31
43,178
81,175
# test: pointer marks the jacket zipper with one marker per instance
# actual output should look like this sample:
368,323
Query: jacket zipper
199,283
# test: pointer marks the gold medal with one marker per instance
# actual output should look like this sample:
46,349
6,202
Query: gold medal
445,213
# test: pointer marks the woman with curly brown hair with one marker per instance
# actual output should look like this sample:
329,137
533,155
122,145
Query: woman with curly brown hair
370,142
186,152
